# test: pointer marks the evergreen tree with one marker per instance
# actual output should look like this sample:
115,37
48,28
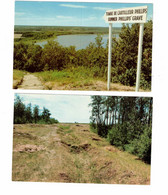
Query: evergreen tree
19,111
46,115
36,115
28,113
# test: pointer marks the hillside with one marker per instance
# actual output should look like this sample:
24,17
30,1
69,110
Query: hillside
72,153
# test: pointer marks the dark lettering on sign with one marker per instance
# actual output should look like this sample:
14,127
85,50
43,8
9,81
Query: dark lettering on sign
125,12
112,19
127,15
128,18
137,18
109,13
140,11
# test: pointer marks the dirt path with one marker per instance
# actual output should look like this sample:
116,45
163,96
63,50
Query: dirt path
31,82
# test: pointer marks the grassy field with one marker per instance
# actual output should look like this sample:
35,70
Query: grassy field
74,29
17,77
79,78
71,153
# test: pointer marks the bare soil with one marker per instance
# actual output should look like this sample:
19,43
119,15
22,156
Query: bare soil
17,36
31,82
95,86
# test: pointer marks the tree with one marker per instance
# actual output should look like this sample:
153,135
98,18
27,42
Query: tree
33,62
19,111
125,121
46,115
20,55
36,115
25,114
124,55
53,56
28,113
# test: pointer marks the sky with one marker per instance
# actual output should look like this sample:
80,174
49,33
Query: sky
64,108
45,13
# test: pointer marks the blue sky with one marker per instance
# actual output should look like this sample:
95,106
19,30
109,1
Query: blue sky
65,108
68,13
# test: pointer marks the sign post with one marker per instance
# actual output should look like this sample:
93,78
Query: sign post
109,57
139,56
126,15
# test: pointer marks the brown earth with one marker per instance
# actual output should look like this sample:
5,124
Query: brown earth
71,153
95,86
31,82
17,36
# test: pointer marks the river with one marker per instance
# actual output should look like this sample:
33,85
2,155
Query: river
80,41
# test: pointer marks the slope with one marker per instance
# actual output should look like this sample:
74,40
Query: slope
71,153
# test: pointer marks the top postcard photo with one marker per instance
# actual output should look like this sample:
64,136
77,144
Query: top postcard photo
88,46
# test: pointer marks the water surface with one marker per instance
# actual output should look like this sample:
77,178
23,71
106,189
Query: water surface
79,41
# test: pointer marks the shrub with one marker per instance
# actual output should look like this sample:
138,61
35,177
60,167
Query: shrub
116,136
144,145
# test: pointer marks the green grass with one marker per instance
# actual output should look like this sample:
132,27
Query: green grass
77,77
75,29
17,77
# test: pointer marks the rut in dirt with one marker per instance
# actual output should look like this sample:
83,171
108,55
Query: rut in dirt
31,82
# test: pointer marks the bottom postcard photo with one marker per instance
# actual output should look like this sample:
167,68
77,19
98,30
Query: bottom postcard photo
82,139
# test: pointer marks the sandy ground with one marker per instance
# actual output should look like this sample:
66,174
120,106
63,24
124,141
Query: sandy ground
17,35
31,82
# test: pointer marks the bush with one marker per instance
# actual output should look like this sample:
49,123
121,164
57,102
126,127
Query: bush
116,136
141,147
102,130
144,145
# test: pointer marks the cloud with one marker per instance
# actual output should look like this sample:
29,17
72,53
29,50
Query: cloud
19,13
72,6
65,17
90,18
101,8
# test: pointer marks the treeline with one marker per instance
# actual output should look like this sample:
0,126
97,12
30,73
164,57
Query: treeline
28,114
33,58
125,121
74,29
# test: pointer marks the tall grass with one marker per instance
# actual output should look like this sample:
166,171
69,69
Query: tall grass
17,77
78,76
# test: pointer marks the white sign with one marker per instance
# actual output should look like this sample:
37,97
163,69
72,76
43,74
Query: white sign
127,15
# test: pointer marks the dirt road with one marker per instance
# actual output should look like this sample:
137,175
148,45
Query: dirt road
31,82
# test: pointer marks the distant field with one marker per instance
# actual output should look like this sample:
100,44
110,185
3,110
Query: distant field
18,28
71,153
35,33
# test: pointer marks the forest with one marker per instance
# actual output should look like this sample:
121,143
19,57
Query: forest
125,121
28,114
54,57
